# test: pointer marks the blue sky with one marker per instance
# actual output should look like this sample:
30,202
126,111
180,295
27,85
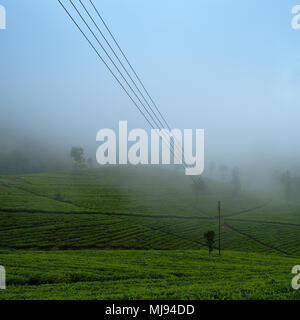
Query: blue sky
230,67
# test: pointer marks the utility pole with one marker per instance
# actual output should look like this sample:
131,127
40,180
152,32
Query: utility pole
219,209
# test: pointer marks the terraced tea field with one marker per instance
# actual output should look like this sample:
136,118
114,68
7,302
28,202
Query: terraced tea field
135,208
137,274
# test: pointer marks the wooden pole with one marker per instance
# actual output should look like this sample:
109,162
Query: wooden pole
219,209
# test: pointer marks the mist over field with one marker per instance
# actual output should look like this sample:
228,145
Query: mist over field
244,98
73,229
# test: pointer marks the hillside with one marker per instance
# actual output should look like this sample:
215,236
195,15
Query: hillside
136,274
137,233
138,208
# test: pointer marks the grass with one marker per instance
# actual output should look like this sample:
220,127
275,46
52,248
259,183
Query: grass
138,274
57,229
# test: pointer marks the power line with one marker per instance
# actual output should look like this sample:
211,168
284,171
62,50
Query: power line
170,146
121,74
111,60
107,66
127,60
121,63
116,78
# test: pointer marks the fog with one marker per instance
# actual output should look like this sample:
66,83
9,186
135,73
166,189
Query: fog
206,64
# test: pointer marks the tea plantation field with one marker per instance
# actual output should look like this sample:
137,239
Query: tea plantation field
88,233
151,274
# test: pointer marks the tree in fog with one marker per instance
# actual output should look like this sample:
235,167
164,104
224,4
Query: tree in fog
286,181
209,237
77,154
199,186
296,187
236,180
212,167
223,171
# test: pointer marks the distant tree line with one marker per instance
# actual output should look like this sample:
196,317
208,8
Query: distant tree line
17,162
288,184
225,174
80,160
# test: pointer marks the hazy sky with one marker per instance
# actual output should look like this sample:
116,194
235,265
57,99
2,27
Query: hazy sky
230,67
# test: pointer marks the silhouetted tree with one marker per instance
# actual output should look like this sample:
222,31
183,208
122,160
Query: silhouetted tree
209,237
77,154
